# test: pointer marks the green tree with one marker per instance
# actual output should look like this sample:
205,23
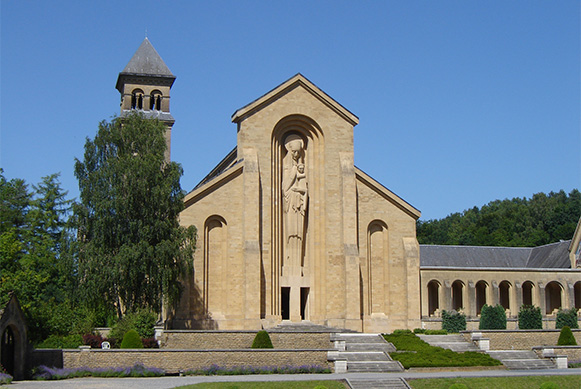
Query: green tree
132,251
32,235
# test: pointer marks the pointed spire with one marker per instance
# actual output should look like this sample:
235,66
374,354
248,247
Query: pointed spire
146,60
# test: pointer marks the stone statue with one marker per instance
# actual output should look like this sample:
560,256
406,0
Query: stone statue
295,192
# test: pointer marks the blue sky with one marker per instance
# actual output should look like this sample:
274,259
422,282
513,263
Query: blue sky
460,102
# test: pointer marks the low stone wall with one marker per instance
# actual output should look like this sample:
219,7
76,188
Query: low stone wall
207,340
573,353
521,339
173,361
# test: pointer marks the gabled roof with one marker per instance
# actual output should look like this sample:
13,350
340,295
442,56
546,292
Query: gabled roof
146,62
387,194
294,82
550,256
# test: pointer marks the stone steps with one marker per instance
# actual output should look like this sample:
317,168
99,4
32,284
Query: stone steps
521,360
366,353
306,326
395,383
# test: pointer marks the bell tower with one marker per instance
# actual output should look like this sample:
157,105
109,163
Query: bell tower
145,85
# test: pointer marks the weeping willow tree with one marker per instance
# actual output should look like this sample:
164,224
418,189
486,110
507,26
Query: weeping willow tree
132,252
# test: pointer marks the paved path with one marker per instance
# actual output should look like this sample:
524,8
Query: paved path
172,382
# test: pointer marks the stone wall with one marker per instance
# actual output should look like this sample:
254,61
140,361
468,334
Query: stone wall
521,339
173,361
435,323
207,340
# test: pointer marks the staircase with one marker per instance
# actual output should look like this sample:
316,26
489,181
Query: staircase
454,342
395,383
521,360
512,359
365,353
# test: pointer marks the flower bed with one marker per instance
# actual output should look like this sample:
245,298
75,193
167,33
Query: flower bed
244,370
5,379
137,370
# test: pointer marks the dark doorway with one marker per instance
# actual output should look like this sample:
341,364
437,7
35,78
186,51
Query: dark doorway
8,348
304,300
285,303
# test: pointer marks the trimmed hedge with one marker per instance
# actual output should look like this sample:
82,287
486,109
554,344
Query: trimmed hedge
492,318
567,317
566,337
262,340
453,321
530,318
131,340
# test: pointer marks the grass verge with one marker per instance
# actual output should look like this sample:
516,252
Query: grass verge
272,384
417,353
528,382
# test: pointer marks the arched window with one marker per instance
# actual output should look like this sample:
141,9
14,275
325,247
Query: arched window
137,99
504,294
481,287
457,298
155,100
433,296
527,293
215,251
577,295
552,296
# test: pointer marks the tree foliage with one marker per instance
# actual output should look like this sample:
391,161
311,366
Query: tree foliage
540,220
453,321
35,262
567,317
132,250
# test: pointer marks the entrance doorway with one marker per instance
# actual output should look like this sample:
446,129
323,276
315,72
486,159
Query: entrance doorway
285,303
304,301
8,347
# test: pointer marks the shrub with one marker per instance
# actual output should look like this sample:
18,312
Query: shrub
453,321
60,341
93,340
567,317
131,340
492,318
399,332
419,330
262,340
150,343
436,332
530,318
54,373
566,337
141,321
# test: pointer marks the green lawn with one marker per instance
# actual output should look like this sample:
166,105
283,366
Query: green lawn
529,382
417,353
272,384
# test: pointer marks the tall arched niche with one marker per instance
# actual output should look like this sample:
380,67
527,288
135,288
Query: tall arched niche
314,160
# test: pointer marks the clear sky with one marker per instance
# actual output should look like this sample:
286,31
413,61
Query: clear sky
460,102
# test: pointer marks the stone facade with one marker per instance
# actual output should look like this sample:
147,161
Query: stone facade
289,229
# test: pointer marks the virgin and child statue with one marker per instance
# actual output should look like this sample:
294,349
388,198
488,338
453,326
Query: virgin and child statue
295,192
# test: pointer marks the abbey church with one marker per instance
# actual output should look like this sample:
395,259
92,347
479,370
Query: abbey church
290,230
